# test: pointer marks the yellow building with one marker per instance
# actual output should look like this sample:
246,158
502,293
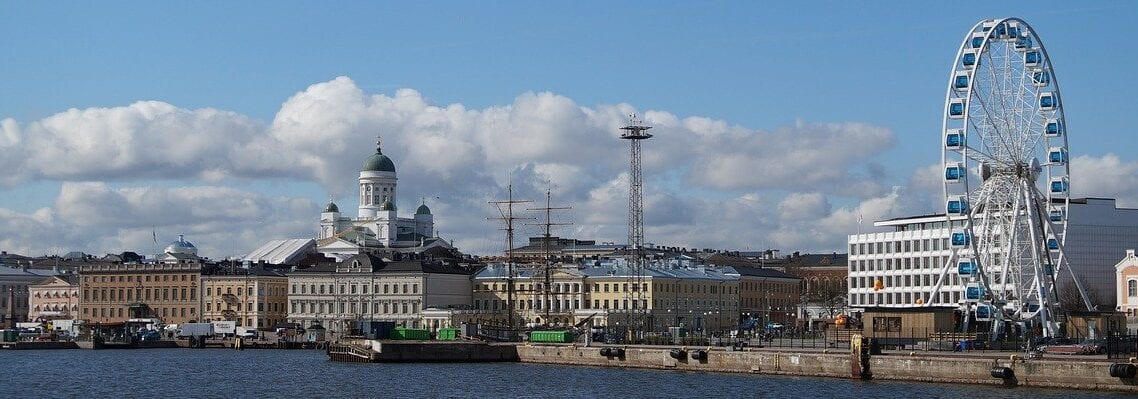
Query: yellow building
697,298
251,296
113,293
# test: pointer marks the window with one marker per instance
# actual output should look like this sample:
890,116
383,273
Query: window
1132,288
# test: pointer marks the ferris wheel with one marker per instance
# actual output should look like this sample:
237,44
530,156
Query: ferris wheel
1006,177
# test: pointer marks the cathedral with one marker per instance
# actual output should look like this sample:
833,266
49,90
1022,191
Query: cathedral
377,226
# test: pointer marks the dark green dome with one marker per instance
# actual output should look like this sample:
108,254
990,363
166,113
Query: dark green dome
387,206
378,163
423,210
331,207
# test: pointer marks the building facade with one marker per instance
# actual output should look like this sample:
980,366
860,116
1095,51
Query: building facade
768,298
901,267
56,297
1126,293
113,293
368,287
605,293
251,296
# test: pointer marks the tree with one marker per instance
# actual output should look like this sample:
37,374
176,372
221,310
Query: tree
1070,300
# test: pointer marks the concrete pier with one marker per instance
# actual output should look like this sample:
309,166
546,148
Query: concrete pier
1051,372
421,351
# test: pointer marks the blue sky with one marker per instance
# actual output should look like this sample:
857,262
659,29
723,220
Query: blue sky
467,80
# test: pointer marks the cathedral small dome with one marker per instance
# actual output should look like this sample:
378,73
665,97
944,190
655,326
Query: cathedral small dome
423,210
332,207
387,206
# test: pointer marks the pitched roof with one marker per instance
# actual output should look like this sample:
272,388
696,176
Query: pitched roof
282,252
762,272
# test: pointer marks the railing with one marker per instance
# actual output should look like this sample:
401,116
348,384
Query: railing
1115,345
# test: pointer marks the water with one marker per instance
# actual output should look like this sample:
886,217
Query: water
302,374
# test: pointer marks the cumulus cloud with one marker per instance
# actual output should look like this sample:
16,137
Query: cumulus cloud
147,139
123,171
97,218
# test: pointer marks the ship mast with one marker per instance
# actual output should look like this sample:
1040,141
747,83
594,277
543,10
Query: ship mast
506,210
547,291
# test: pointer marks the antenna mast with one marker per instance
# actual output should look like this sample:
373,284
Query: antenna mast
506,210
545,244
634,132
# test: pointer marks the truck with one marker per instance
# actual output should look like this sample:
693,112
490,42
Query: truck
196,330
225,327
245,332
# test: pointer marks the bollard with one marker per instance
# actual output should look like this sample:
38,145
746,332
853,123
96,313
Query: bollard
1123,370
1003,372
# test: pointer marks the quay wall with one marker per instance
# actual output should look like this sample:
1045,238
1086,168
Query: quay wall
914,366
439,351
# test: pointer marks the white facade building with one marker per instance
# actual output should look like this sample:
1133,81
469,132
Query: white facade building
367,287
900,268
377,224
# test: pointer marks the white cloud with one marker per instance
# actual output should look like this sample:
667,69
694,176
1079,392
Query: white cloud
1107,176
97,218
123,171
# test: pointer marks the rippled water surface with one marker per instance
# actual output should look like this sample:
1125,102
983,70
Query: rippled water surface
216,373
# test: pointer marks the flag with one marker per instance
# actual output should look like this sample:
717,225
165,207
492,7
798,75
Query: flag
859,218
155,235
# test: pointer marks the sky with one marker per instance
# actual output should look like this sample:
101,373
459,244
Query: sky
125,124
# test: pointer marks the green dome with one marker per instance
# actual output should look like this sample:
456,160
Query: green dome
331,207
387,206
378,163
423,210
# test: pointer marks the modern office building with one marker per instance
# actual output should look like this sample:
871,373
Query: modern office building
901,267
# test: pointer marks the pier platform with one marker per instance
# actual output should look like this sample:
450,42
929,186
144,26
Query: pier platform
375,351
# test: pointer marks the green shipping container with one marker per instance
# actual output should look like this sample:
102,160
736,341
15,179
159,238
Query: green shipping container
447,334
400,333
11,335
551,336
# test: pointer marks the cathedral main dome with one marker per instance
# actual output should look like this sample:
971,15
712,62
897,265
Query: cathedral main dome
378,163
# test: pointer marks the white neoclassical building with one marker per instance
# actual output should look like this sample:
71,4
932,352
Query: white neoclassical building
377,224
370,287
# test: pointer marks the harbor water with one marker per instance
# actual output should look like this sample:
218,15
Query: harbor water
221,373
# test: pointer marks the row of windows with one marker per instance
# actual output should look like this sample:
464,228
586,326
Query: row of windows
273,306
919,280
139,294
902,246
901,298
923,262
382,307
162,312
146,278
355,288
616,287
622,304
260,290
